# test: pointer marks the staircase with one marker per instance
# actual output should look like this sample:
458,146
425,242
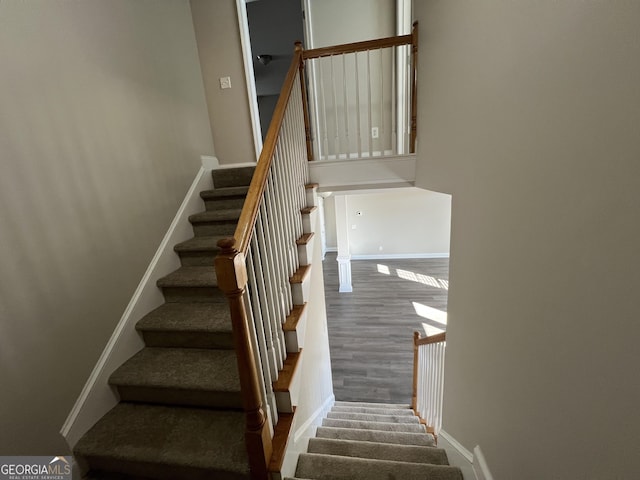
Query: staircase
180,412
373,441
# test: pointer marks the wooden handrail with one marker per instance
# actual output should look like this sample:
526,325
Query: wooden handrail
258,182
358,46
305,103
440,337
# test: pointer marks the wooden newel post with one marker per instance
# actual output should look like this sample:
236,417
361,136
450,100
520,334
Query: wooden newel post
232,280
414,395
305,103
414,89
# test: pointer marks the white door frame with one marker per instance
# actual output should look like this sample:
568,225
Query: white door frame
249,75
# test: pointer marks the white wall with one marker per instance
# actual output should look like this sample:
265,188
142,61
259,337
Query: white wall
316,387
103,122
403,221
528,115
219,48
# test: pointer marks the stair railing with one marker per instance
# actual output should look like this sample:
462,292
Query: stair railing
254,267
364,98
428,379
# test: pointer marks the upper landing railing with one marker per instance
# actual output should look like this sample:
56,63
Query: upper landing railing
363,98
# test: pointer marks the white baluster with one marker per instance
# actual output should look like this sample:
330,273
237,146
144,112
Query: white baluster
257,320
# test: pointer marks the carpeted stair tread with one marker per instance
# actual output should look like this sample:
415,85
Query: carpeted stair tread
202,276
180,368
367,417
364,435
224,192
188,325
374,411
209,216
232,177
394,406
381,451
387,427
333,467
167,443
200,244
192,317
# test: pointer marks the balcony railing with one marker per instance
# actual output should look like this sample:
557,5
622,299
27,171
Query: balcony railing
363,98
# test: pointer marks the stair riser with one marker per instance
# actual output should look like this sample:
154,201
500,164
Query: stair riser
374,436
374,411
380,451
188,340
167,396
408,419
224,203
145,470
193,294
387,427
331,467
236,177
197,259
226,228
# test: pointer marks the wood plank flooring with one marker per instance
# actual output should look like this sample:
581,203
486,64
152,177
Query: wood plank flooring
371,329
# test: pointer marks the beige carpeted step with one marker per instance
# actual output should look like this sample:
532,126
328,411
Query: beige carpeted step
381,451
215,222
232,177
392,406
334,467
224,198
388,427
365,435
180,376
368,417
199,251
167,443
191,284
188,325
374,411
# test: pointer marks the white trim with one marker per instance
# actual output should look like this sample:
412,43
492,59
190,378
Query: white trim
97,397
235,165
458,446
321,411
249,75
480,467
393,256
331,249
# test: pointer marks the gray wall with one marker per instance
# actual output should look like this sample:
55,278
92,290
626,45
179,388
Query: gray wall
528,115
394,222
219,48
103,122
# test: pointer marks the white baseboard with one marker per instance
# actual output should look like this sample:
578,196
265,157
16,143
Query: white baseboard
315,417
97,397
473,465
458,446
331,249
397,256
480,466
300,438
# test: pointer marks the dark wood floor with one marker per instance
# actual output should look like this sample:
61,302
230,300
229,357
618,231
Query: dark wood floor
371,329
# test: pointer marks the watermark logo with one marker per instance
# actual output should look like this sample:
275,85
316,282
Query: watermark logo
35,468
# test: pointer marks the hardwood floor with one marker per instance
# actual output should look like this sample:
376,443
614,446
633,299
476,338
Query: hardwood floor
371,329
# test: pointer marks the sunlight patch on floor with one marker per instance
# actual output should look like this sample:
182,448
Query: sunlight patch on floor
430,330
430,313
424,279
384,269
